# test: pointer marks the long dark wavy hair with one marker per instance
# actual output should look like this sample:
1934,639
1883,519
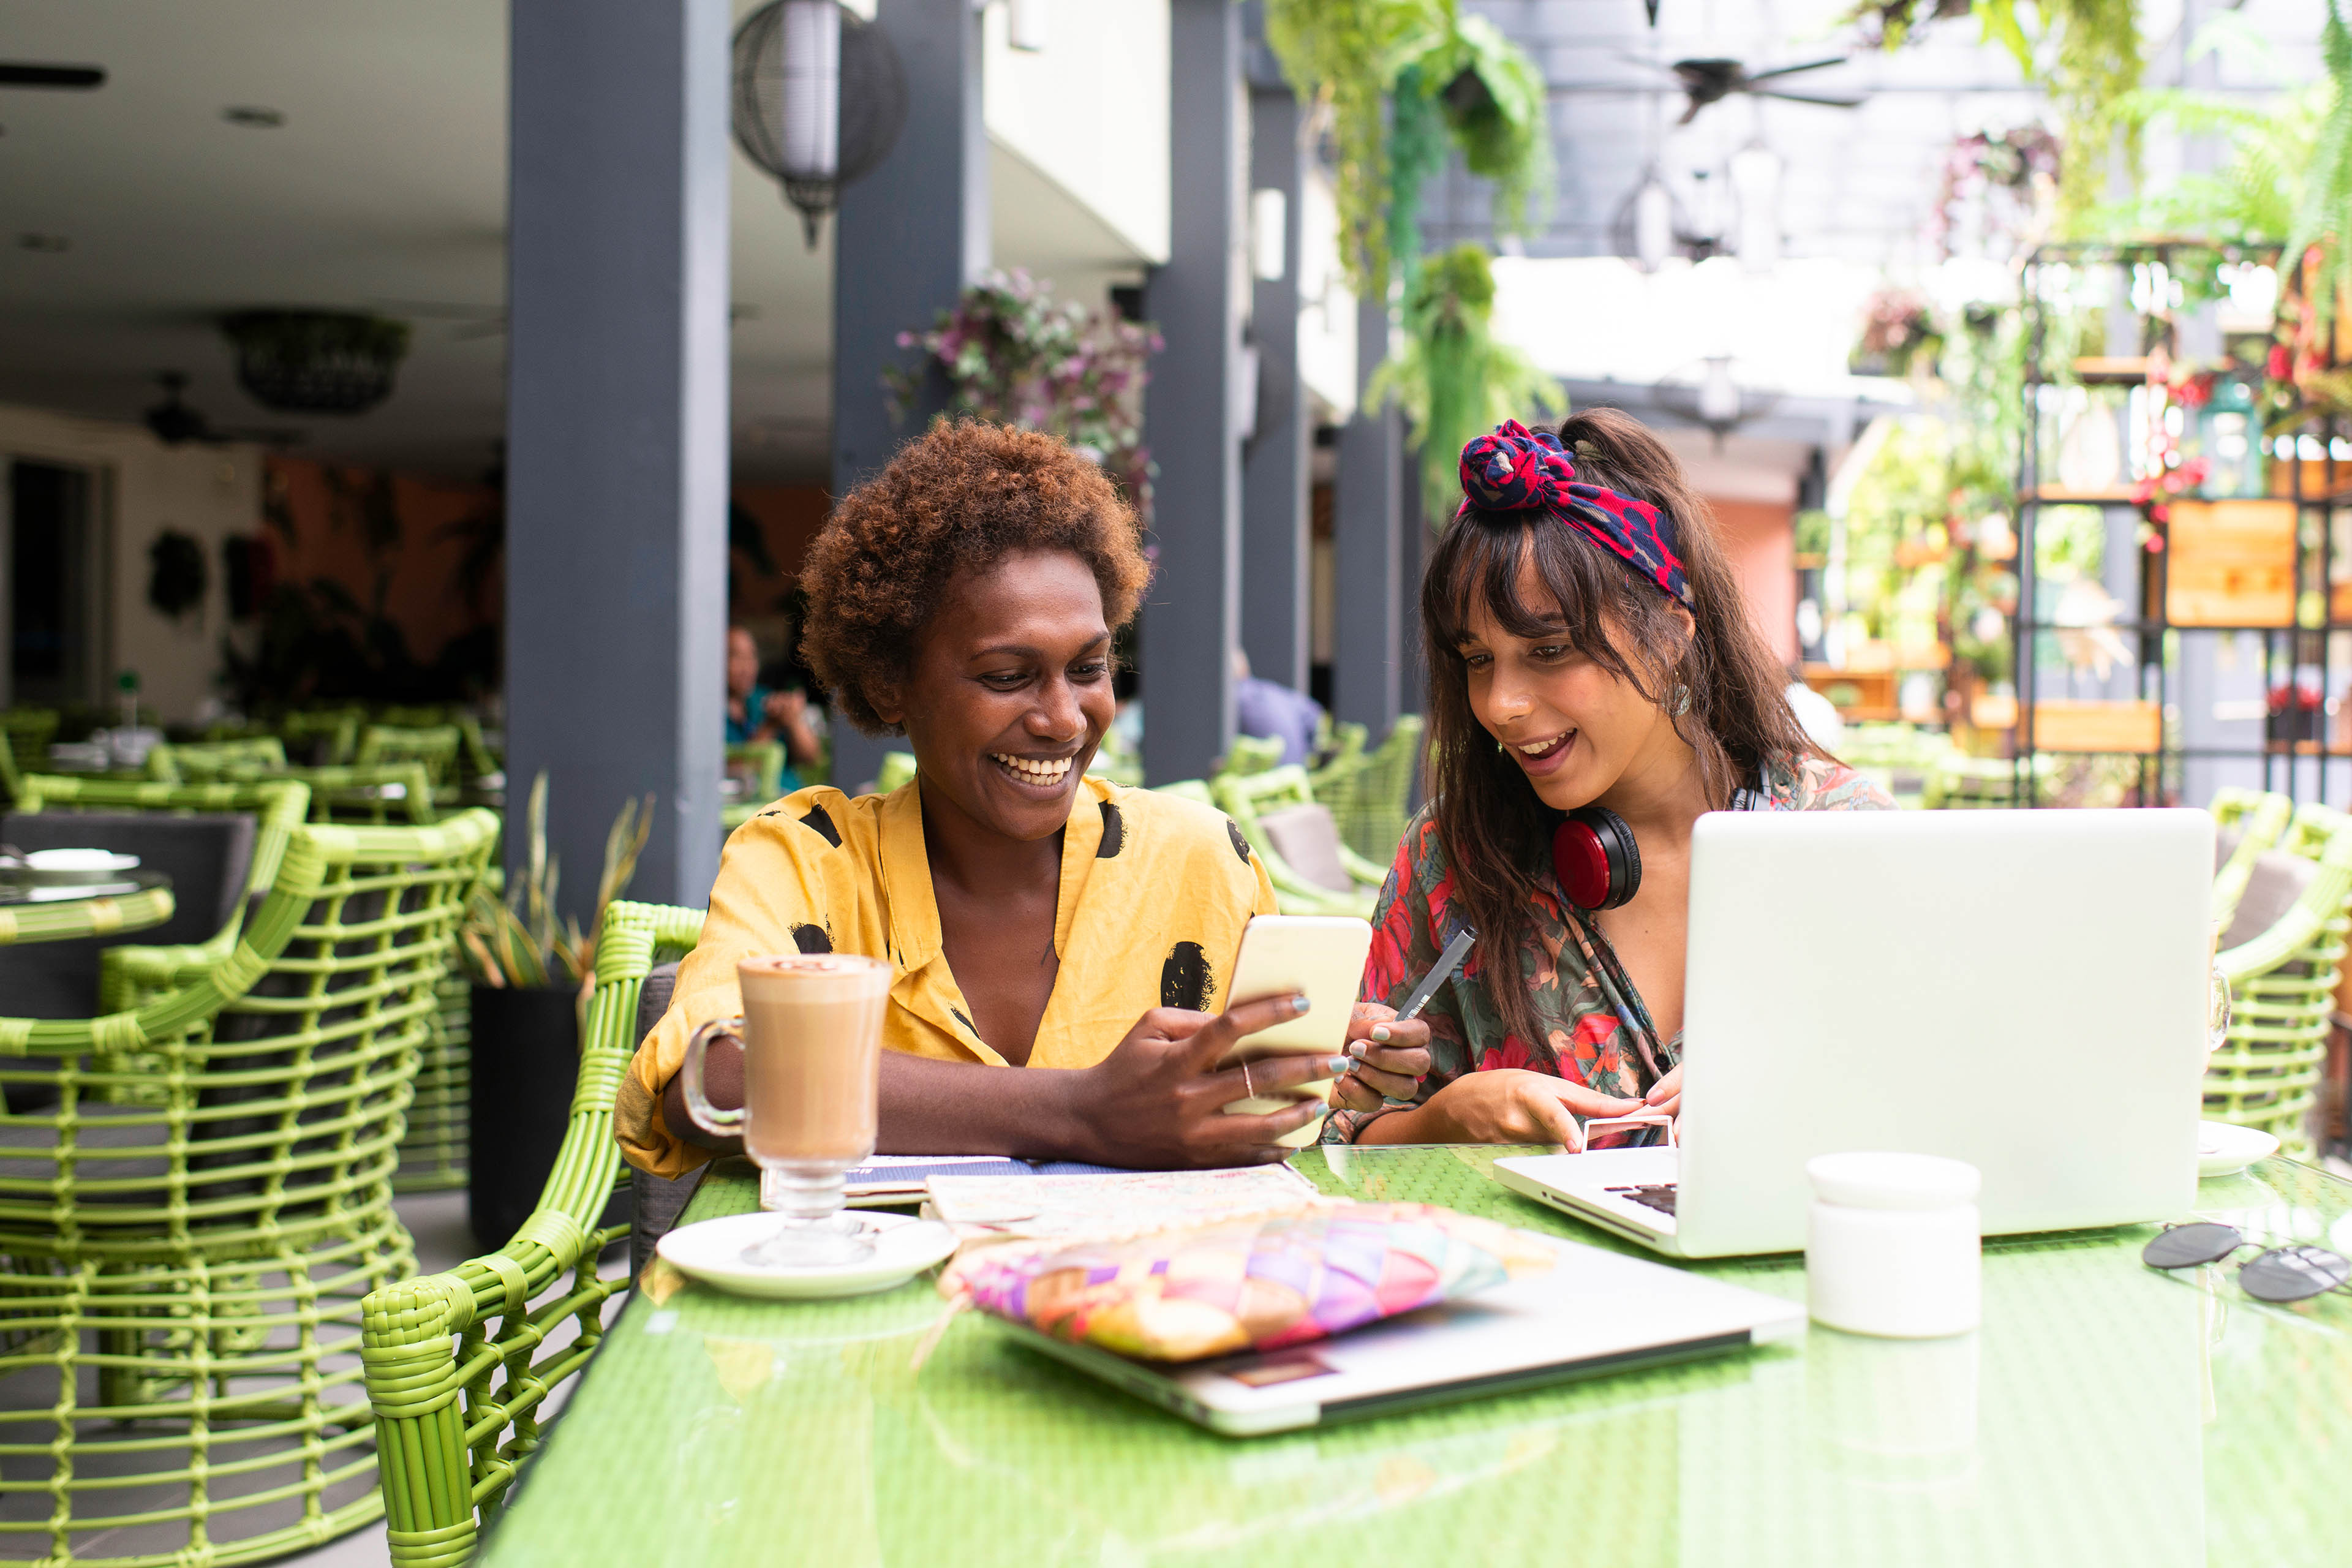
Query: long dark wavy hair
1495,832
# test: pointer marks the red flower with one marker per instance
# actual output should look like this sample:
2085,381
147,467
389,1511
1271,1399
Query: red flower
1513,1054
2280,362
1595,1027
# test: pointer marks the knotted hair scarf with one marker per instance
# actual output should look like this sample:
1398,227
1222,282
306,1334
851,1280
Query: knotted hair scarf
1519,470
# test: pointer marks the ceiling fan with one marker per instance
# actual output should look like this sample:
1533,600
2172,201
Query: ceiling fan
21,73
176,424
1710,81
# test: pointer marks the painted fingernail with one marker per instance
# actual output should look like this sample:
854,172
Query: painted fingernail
1299,1003
1338,1065
1381,1033
1355,1048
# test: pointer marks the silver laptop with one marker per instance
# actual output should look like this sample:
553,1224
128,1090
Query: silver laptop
2023,990
1595,1313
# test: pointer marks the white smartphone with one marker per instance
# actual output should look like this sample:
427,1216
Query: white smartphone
1319,955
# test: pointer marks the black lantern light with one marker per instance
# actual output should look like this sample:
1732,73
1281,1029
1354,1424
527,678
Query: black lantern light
819,97
316,362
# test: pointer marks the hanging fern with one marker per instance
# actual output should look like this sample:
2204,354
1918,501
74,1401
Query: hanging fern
1416,155
2324,216
1498,110
1454,381
1342,56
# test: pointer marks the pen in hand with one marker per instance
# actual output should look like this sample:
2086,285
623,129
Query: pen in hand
1415,1000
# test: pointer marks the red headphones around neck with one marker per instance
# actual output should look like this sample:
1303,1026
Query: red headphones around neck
1595,858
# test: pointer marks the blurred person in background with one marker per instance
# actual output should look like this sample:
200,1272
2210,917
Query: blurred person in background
1271,710
755,713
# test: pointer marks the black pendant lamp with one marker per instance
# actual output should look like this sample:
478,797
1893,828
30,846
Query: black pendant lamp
819,99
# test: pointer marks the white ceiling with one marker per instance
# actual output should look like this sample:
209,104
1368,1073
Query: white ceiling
384,190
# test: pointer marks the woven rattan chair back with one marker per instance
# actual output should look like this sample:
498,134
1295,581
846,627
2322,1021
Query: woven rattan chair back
197,761
28,733
1251,755
457,1396
1372,803
188,1229
322,737
436,747
2254,818
1247,797
2282,991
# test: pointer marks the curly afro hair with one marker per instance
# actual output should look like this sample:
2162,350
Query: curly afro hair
957,498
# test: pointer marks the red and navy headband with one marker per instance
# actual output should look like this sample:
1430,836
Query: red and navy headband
1519,470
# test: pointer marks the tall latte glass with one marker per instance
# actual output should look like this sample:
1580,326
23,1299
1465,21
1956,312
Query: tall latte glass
812,1038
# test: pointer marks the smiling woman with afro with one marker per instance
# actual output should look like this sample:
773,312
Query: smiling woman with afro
1031,917
958,499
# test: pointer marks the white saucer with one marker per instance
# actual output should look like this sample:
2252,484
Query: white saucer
2223,1150
712,1252
77,865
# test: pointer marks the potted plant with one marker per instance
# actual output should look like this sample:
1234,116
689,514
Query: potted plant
531,978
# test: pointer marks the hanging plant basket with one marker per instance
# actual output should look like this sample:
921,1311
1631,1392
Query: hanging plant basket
316,362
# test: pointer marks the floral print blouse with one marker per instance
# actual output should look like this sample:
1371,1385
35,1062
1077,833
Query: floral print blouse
1595,1027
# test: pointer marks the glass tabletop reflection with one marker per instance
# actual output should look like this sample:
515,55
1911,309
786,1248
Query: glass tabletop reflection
2103,1413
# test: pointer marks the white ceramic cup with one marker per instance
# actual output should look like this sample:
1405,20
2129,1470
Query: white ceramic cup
1892,1245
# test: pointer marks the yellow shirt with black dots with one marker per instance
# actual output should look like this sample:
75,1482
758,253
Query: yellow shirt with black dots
1155,891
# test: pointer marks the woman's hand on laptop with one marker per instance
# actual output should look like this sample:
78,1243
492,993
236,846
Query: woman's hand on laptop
1667,1094
1505,1105
1391,1059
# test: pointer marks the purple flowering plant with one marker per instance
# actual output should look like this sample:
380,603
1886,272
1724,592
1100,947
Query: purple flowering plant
1015,355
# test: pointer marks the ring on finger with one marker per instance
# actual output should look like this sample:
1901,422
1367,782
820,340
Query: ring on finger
1247,1092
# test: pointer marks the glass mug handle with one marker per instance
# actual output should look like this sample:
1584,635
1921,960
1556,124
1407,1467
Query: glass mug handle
707,1116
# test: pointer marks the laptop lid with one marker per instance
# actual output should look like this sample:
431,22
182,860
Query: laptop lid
2023,990
1597,1312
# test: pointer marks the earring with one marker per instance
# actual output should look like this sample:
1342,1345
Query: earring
1680,700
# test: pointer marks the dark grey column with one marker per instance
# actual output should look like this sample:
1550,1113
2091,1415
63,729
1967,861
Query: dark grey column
1191,623
616,429
908,240
1370,514
1275,476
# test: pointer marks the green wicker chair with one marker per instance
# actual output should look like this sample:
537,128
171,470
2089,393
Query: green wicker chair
2281,990
399,793
457,1405
764,762
1373,802
28,733
1248,797
1190,789
2257,818
188,1226
436,747
1957,782
1251,755
192,760
12,781
277,806
324,737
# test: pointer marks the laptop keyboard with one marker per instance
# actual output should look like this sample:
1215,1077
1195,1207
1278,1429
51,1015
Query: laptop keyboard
1659,1196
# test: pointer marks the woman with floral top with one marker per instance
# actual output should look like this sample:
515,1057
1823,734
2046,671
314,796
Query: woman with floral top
1587,646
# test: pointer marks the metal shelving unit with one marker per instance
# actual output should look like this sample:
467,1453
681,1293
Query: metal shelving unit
2303,769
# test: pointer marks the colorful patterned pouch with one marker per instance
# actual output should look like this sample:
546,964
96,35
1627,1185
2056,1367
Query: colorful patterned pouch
1262,1283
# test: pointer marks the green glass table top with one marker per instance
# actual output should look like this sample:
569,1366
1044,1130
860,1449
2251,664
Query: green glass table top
2103,1414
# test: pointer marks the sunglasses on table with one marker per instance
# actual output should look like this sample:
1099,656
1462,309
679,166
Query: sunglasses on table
2278,1274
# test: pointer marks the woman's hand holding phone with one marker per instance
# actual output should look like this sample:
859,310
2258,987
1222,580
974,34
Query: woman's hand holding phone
1158,1100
